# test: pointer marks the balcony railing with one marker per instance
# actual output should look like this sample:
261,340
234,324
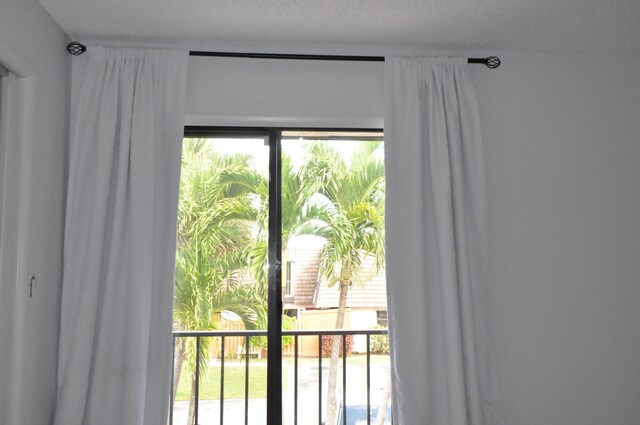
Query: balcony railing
307,349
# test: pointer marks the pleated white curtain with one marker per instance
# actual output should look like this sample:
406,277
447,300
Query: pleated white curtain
119,249
436,253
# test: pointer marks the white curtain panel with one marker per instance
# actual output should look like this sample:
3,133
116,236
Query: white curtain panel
115,350
436,253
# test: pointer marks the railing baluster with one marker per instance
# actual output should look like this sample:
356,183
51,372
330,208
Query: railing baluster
344,379
173,366
197,378
246,381
297,334
368,379
222,343
320,379
390,401
295,379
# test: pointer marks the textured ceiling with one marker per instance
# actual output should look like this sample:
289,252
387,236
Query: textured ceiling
543,25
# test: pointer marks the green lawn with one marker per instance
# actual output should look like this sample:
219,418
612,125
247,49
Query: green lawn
234,377
234,380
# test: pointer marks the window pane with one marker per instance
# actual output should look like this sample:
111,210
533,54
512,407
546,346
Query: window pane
221,280
333,251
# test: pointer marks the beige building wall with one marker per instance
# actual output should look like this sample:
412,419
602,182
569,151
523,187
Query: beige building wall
317,320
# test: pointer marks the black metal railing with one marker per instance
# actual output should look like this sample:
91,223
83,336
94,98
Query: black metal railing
223,337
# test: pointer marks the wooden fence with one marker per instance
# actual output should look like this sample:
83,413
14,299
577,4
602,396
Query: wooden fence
234,346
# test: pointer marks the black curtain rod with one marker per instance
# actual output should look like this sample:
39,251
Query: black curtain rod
492,62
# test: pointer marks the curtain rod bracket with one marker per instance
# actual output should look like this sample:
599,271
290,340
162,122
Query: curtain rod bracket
491,62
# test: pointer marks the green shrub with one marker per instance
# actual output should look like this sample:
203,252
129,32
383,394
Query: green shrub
327,342
379,343
288,324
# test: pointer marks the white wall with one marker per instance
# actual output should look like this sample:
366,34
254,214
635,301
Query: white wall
28,29
236,91
562,144
562,139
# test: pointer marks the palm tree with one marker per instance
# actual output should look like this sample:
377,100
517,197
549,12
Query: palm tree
215,232
347,199
295,214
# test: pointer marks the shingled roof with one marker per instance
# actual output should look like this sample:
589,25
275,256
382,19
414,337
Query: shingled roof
312,292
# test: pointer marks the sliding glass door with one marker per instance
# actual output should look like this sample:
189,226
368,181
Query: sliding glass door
280,286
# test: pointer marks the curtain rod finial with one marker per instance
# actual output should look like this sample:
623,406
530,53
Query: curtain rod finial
76,49
492,62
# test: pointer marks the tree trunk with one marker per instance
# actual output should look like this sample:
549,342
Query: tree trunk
384,401
192,404
177,366
335,354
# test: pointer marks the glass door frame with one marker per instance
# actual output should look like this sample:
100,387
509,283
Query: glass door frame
273,136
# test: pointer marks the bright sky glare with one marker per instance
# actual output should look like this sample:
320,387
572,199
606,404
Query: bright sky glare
292,147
